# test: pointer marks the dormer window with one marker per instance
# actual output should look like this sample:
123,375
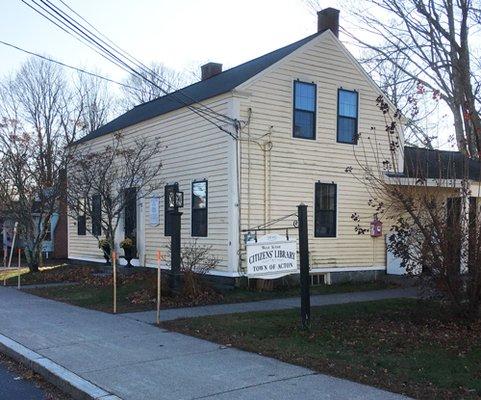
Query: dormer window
347,106
304,126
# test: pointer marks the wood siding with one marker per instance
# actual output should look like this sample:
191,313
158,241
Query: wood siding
194,150
275,181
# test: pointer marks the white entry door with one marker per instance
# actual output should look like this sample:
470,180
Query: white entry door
393,263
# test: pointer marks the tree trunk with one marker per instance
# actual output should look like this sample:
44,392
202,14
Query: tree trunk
34,258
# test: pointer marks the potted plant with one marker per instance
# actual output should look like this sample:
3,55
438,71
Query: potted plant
104,245
128,246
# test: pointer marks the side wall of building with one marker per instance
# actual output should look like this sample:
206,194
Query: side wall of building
194,149
278,171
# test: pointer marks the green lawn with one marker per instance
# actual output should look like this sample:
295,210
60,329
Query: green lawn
401,345
139,294
96,297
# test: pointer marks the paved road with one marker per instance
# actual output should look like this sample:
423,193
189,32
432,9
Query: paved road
12,388
137,361
274,304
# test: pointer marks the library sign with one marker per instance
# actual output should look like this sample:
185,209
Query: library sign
272,256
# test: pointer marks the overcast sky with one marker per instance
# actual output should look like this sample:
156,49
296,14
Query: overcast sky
181,34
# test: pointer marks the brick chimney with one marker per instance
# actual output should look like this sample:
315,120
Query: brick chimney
328,19
210,69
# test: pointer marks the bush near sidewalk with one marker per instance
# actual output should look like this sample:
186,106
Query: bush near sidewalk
406,346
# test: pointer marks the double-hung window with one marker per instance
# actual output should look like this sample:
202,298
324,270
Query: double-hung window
199,208
304,125
325,212
347,118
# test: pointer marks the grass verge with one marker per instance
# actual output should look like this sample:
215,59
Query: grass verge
140,294
403,345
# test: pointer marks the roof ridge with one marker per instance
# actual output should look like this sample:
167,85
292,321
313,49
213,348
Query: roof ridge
230,69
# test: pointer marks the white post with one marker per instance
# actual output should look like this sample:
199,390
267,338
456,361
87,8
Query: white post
19,266
11,251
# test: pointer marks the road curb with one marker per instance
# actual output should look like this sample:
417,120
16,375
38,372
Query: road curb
67,381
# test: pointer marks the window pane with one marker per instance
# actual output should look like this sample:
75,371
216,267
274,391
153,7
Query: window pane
199,195
325,210
326,224
199,208
347,104
346,130
199,222
305,96
304,124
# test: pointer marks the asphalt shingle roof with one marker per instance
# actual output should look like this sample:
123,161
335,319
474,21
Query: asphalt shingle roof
439,164
214,86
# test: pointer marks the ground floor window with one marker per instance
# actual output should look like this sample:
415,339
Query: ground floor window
325,212
199,208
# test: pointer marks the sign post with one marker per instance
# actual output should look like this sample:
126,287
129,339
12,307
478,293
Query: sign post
175,200
304,266
114,273
19,266
158,287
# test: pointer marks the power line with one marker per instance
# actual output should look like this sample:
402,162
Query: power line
77,30
67,65
132,59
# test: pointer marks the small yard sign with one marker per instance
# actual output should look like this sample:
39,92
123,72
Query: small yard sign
272,256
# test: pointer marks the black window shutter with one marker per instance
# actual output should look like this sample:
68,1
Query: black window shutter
96,215
81,220
130,211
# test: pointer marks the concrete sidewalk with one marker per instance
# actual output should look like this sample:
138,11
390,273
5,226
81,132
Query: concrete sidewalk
119,356
274,304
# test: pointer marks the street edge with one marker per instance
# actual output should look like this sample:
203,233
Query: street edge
67,381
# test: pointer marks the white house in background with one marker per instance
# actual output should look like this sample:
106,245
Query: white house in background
301,107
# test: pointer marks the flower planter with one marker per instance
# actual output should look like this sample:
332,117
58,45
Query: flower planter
129,254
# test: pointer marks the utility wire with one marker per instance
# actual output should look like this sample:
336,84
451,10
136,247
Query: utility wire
67,20
67,65
77,30
131,58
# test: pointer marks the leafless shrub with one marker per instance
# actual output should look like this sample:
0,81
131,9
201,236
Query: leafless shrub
196,261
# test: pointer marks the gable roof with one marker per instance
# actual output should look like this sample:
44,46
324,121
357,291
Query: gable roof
214,86
439,164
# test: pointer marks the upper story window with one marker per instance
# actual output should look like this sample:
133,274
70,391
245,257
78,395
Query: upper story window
199,208
304,126
347,106
325,212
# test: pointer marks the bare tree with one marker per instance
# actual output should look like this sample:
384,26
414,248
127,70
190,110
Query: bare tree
40,115
421,110
433,205
431,42
108,173
141,90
